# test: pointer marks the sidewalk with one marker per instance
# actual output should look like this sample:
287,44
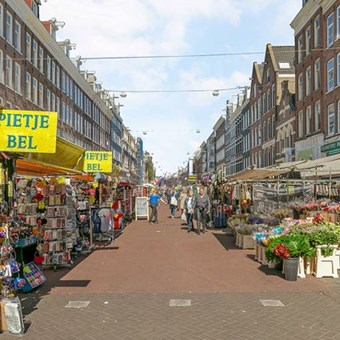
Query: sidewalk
131,284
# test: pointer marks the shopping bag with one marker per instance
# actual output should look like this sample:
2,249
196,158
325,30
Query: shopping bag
184,217
173,201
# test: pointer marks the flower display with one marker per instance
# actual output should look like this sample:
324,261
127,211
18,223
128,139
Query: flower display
281,251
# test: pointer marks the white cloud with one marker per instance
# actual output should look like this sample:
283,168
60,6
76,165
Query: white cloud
160,27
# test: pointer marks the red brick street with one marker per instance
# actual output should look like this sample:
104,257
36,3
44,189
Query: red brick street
164,257
128,288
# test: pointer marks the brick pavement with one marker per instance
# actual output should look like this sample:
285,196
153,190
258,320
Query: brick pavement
129,286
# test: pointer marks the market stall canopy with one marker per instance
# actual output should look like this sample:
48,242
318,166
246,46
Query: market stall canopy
67,155
35,168
255,174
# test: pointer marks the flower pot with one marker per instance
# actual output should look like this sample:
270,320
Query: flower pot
291,266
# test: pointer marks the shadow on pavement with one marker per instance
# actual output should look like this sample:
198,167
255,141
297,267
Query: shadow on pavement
227,241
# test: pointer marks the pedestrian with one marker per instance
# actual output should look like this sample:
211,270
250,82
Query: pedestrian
189,209
182,198
173,203
202,207
154,200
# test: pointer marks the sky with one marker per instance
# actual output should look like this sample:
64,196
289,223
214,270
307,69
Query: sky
172,124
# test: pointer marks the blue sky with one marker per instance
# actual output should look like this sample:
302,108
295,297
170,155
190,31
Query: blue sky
173,27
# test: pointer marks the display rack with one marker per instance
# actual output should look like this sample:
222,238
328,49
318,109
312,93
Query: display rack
58,234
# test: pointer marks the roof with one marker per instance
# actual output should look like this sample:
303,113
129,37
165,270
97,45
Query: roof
255,174
284,58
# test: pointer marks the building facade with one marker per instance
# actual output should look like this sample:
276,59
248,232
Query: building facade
36,73
317,43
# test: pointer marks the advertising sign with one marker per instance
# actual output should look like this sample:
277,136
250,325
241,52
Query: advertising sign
98,161
142,207
28,131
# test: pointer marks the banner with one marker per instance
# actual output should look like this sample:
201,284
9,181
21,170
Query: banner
28,131
98,161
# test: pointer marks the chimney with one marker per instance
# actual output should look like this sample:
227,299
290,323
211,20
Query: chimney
52,26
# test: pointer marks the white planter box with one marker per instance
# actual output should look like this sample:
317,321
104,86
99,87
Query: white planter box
260,254
326,266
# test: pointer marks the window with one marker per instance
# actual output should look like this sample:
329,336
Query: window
338,116
308,120
9,28
41,59
9,72
273,95
17,36
338,22
28,47
317,116
300,122
35,53
57,76
2,73
308,40
330,119
48,67
300,87
28,86
338,69
317,80
308,81
41,95
300,49
1,20
53,102
330,75
330,30
57,105
48,100
268,75
17,78
317,32
34,91
53,71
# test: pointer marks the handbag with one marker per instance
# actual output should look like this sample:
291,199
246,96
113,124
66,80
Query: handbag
184,217
173,201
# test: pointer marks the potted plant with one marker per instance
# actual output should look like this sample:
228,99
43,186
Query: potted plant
289,249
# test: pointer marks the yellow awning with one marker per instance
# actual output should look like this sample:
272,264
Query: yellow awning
67,155
35,168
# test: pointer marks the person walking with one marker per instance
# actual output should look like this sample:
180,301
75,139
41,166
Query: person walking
173,204
202,207
189,209
182,199
154,199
